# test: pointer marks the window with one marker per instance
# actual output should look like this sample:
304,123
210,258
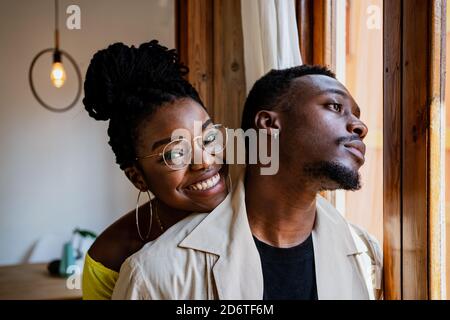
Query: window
359,65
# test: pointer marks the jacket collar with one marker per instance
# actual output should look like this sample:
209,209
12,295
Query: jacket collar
225,232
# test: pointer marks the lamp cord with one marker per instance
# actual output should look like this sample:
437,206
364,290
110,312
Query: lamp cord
56,25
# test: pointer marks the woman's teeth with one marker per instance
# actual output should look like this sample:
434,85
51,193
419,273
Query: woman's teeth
205,184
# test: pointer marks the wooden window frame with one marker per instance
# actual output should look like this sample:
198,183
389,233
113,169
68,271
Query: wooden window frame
414,87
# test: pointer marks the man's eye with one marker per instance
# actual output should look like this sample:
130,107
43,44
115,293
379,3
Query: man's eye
335,107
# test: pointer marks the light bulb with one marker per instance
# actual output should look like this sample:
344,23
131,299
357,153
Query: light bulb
58,74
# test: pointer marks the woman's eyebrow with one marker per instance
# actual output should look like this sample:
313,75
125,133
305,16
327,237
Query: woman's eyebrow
160,143
207,123
164,141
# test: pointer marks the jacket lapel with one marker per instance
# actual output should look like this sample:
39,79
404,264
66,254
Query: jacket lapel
225,232
337,272
238,272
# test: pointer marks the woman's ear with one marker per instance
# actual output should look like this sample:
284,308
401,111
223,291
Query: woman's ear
268,120
136,178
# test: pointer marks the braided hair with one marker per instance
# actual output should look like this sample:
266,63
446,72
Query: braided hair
125,85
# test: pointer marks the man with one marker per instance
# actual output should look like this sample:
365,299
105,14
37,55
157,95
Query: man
274,237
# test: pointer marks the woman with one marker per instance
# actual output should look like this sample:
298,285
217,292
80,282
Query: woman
143,94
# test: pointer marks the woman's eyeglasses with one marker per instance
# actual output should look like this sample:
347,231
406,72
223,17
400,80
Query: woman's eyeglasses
177,154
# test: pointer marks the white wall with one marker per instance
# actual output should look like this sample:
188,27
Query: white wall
57,171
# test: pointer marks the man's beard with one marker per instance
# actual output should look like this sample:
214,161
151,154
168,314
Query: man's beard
333,175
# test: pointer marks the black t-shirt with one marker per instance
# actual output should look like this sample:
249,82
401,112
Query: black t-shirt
289,273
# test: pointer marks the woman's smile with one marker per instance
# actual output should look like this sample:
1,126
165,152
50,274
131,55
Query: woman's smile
209,184
205,184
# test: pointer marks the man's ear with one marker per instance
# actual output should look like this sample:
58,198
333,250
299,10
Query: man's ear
136,177
268,120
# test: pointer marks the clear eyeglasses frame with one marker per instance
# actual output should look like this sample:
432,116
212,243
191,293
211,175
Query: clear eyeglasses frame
177,154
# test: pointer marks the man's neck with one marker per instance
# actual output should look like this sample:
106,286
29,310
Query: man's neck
279,214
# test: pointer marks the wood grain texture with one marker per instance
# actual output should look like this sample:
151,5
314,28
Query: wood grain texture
436,196
304,13
324,30
319,37
195,38
210,43
392,151
229,72
413,195
415,152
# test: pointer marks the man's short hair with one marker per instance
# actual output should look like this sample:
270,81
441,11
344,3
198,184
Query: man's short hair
268,91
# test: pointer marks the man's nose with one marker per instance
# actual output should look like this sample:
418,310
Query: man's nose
356,126
201,159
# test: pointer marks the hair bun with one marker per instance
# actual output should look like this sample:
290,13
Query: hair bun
118,74
156,63
107,77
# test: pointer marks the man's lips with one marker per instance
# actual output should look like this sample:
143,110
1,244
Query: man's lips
357,148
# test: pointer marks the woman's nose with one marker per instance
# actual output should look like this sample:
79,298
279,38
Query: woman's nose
201,159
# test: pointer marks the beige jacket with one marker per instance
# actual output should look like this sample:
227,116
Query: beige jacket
214,256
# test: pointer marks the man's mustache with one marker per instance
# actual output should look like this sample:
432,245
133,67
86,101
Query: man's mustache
353,137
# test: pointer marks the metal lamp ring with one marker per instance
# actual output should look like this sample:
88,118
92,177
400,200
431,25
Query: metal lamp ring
33,89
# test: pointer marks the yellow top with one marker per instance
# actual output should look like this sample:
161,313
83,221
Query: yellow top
98,280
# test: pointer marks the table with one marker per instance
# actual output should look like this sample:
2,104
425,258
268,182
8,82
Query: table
33,282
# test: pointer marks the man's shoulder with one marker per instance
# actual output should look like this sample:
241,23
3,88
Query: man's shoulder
364,235
159,255
370,242
374,254
360,235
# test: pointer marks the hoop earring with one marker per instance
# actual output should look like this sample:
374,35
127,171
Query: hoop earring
137,216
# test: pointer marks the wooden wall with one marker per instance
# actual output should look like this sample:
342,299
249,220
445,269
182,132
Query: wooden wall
209,39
